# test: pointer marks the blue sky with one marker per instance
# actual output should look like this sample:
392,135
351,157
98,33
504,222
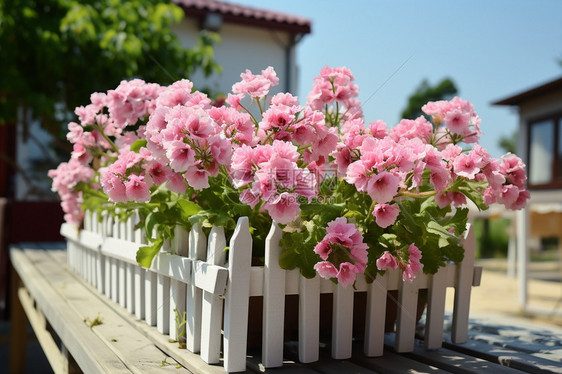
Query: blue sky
491,49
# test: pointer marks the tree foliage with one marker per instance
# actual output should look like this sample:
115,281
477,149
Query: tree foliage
509,142
425,93
55,53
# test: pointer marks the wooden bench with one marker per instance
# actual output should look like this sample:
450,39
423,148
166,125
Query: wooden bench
82,330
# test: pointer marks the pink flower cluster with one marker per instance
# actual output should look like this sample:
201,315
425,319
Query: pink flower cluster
343,252
256,86
276,160
335,85
65,178
130,177
188,140
269,173
458,116
410,268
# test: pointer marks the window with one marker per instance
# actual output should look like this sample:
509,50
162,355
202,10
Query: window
545,153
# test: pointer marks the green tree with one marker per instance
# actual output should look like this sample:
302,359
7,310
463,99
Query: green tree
445,89
55,53
508,142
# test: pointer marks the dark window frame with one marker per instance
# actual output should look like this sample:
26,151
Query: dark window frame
556,180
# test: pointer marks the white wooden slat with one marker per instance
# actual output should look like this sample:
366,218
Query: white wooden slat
209,277
114,279
273,301
237,297
150,306
177,288
309,319
121,270
212,303
87,220
140,272
173,266
406,319
140,293
435,311
342,322
87,266
107,276
197,248
163,293
374,317
120,249
130,269
465,276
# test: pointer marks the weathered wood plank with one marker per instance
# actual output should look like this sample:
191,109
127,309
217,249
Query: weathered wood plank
451,361
506,357
58,362
91,354
137,353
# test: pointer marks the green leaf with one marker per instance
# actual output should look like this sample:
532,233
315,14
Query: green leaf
188,208
146,254
137,145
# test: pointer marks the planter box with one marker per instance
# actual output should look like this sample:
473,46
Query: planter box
192,274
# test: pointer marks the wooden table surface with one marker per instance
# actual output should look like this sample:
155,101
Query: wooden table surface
62,309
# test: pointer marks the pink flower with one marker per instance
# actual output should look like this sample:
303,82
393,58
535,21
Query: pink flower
387,261
114,188
383,187
414,265
136,189
249,197
285,99
457,121
234,101
177,93
378,129
284,208
346,274
385,215
410,129
357,175
176,183
181,155
326,269
256,85
323,249
197,178
221,149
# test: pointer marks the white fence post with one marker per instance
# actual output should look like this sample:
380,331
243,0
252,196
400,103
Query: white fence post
375,316
163,297
211,316
197,247
140,273
237,297
342,322
309,319
273,301
463,286
406,320
435,310
177,288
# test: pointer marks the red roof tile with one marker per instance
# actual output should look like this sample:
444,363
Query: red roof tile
246,15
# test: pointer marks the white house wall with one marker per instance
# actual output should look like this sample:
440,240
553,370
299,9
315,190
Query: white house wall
241,48
532,110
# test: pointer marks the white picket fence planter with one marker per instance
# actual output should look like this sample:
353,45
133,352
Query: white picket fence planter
192,274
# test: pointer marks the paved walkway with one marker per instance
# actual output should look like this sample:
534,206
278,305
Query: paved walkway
498,294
